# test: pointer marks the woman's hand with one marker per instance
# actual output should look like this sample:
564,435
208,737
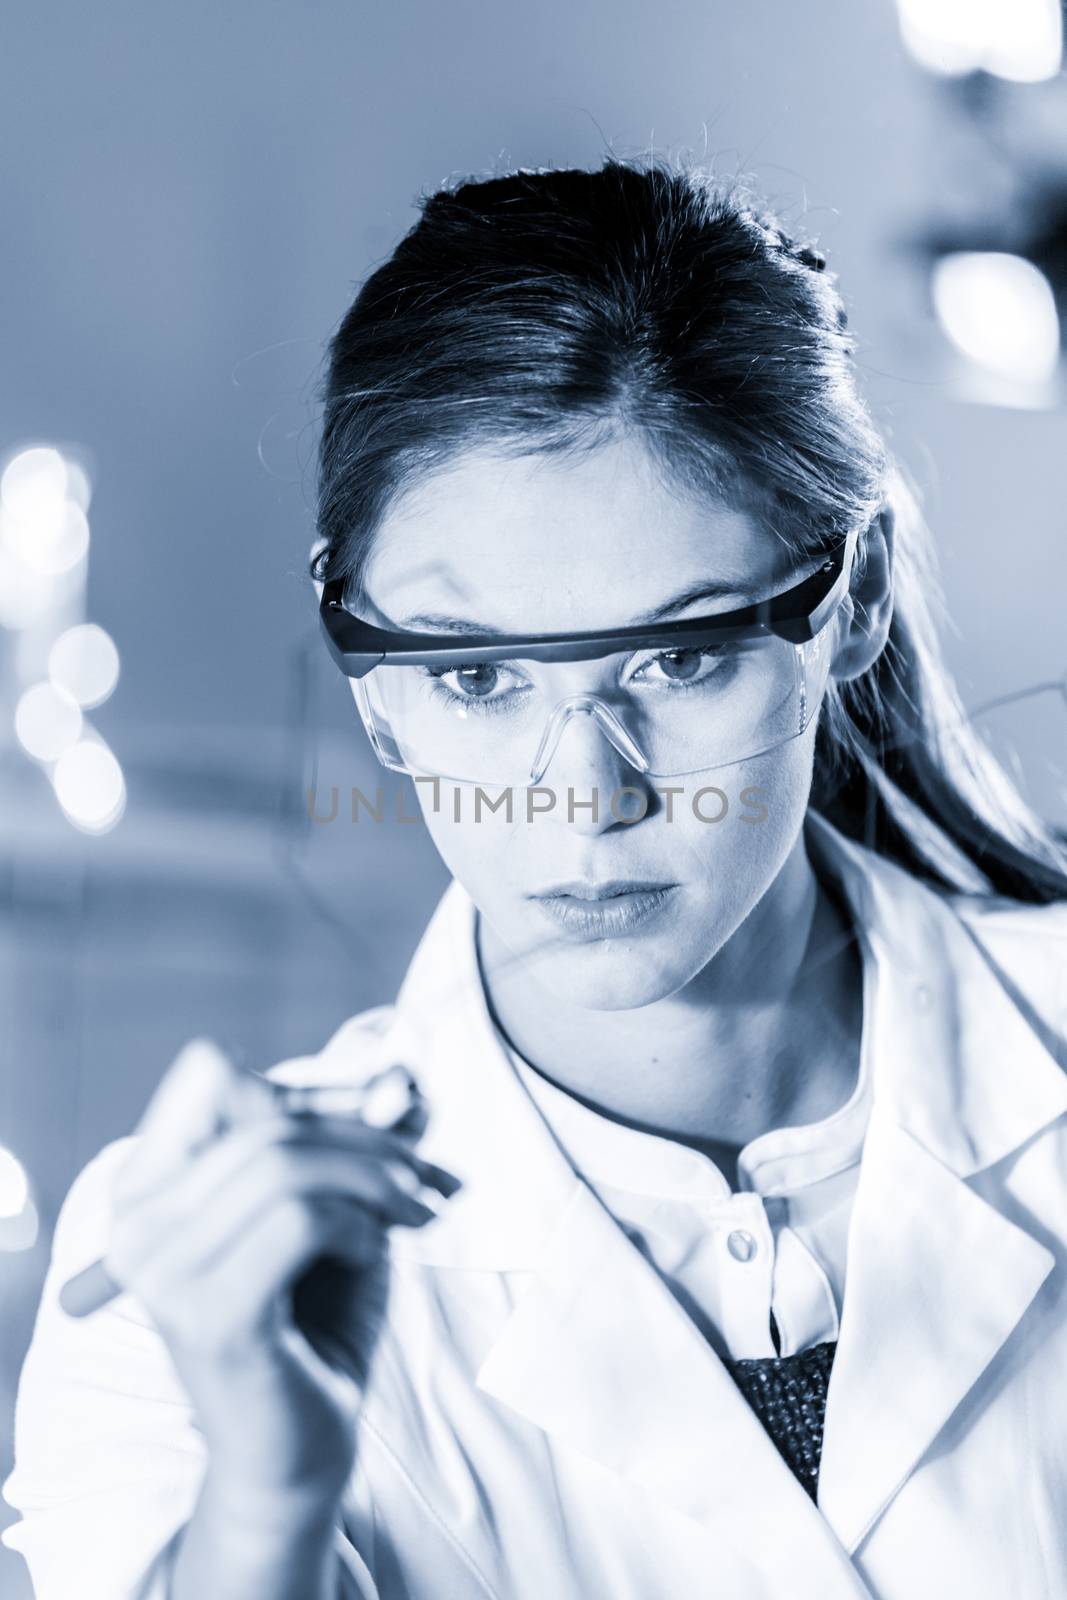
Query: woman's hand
256,1242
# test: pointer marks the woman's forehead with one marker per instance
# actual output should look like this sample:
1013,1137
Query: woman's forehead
536,543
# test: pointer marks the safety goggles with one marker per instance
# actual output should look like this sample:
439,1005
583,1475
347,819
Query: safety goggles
673,697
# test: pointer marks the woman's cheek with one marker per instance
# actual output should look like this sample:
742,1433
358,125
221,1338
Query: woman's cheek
475,849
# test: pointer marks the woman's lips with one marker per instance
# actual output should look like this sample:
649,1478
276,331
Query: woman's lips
608,916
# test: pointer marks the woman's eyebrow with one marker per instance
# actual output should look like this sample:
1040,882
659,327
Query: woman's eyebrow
689,597
750,596
439,622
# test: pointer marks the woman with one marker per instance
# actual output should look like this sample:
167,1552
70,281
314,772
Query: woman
724,1253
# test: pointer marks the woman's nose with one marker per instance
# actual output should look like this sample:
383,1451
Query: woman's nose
587,775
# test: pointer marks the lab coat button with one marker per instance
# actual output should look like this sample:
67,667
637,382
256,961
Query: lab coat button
741,1245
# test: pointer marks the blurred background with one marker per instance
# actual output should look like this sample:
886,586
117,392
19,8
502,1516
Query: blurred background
189,197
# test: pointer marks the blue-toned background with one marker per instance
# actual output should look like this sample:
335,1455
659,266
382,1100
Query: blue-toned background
188,198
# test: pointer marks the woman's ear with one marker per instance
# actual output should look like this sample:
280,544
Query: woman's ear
318,546
867,610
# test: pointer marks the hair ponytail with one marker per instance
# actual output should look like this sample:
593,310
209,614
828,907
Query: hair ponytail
899,766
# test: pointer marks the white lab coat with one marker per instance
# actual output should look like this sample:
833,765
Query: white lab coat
545,1419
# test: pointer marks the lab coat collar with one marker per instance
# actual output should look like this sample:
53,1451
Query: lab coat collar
600,1353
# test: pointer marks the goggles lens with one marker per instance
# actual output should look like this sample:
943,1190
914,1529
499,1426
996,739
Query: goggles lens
669,712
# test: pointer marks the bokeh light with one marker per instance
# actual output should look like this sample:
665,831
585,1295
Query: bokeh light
85,663
14,1184
34,483
1022,42
89,786
51,542
43,504
1000,311
47,721
25,597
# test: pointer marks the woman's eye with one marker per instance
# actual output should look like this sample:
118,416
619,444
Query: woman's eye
475,682
479,686
683,666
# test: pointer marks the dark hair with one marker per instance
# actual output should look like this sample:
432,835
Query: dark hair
550,310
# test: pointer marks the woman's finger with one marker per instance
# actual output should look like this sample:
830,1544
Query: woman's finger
200,1095
183,1195
155,1249
233,1297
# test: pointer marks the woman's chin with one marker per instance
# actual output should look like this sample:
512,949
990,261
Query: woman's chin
618,973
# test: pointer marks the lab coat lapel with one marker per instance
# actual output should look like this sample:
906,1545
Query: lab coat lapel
936,1280
936,1277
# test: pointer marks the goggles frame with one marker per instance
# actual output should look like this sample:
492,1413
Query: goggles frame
798,614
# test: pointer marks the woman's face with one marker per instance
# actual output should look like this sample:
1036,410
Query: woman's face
540,545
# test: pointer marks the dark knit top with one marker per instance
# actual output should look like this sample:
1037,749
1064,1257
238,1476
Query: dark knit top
788,1395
